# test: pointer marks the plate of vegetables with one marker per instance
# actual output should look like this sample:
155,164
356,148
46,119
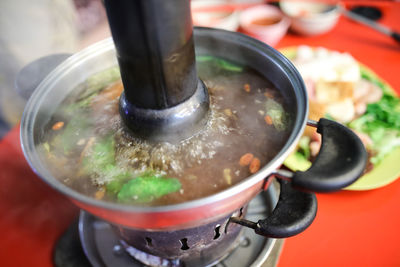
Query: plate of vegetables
342,89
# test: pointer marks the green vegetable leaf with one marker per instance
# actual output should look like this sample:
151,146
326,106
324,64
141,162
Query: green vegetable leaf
380,117
278,115
385,145
74,130
204,58
94,84
381,122
386,110
304,145
221,63
114,187
99,80
103,152
72,109
101,161
147,188
297,162
226,65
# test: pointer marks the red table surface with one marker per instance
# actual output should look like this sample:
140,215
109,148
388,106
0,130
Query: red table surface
351,228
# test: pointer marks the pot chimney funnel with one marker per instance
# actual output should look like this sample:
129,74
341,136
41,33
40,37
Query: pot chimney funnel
163,97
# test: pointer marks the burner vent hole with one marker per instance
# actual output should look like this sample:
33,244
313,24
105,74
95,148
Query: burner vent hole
149,242
184,244
217,234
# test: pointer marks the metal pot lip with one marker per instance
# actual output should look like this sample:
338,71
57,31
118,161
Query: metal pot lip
33,105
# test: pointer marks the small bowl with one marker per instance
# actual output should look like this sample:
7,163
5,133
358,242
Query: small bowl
264,22
310,18
226,20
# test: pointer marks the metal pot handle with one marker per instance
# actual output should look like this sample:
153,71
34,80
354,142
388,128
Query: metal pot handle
340,162
293,213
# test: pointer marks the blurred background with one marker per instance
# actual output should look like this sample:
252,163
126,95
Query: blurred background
33,29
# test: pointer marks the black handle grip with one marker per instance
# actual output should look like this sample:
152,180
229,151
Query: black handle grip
396,36
340,162
293,213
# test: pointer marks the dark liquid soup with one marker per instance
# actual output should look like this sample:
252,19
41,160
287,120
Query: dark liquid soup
86,146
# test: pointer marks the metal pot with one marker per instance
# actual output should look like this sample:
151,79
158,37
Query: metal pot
341,160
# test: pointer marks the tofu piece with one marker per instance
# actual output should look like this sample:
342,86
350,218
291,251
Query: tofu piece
336,91
342,111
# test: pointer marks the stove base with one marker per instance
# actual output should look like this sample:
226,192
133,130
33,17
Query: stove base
68,252
103,248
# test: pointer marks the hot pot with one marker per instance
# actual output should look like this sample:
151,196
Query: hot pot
340,162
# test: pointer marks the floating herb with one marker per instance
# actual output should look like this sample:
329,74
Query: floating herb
100,160
276,113
221,63
144,189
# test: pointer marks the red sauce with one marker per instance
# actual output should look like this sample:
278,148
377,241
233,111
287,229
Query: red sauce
266,21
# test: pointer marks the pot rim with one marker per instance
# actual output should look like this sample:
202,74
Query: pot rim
33,105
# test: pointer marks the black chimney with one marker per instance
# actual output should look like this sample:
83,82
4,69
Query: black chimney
163,97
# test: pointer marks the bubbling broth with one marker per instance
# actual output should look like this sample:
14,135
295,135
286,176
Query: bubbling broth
86,146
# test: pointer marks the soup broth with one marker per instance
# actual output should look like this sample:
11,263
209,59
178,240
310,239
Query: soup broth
86,146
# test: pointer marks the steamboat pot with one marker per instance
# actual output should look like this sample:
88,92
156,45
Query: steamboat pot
340,162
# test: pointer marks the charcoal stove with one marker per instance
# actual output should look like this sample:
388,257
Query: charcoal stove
103,247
